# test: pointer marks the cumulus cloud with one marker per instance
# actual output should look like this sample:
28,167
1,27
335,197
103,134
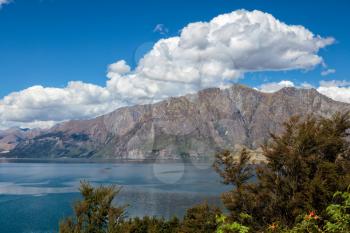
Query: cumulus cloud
328,72
40,106
118,68
336,89
205,54
216,53
275,86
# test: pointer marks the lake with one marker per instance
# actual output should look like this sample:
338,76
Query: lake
35,196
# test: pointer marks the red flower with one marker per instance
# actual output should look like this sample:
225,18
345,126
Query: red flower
312,213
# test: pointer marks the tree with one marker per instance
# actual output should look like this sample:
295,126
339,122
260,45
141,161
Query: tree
200,218
234,169
305,165
95,213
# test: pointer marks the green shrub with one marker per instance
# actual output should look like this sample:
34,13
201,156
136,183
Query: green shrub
339,214
95,213
224,226
305,166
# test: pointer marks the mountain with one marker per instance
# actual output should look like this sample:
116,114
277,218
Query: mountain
11,137
195,125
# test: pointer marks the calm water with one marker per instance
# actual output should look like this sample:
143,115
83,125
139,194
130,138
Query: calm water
34,196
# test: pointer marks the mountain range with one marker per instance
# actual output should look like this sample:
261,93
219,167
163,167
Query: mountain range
196,125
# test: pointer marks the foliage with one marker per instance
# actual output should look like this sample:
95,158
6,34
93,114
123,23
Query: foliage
200,218
224,226
339,214
233,170
337,218
309,224
149,225
95,213
306,164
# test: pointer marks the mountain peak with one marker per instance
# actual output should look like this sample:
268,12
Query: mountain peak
194,125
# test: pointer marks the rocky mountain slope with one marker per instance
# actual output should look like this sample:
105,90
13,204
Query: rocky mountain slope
195,125
11,137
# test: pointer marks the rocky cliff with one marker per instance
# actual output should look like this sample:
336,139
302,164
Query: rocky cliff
195,125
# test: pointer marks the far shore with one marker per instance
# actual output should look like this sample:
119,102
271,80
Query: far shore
94,160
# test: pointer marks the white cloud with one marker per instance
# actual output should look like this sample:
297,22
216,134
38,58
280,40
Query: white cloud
3,2
161,29
120,68
205,54
337,93
336,89
334,83
30,125
215,53
275,86
328,72
37,106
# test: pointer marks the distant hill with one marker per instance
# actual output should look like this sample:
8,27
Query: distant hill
195,125
11,137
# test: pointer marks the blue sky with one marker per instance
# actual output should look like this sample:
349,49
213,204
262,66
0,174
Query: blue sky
52,42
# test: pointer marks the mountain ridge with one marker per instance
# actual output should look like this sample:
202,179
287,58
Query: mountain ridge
194,125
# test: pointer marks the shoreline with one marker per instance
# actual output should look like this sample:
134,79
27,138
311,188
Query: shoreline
86,160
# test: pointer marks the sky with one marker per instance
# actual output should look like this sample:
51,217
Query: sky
75,59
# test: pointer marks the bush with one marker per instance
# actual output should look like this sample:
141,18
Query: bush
224,226
339,214
306,164
200,218
95,213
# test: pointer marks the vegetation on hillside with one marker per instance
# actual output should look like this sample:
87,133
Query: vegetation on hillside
303,187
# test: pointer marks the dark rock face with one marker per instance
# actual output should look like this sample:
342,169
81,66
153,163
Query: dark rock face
195,125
